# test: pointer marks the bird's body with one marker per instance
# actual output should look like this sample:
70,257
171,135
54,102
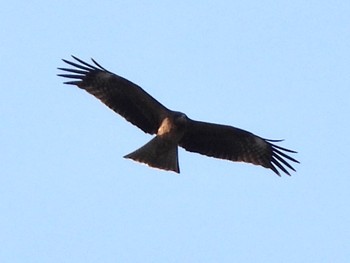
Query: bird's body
173,128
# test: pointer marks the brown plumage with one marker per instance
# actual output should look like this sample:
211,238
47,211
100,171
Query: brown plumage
173,128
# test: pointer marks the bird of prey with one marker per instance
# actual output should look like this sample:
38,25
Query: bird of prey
172,128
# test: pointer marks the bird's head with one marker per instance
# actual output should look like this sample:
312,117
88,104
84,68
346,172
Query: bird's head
180,118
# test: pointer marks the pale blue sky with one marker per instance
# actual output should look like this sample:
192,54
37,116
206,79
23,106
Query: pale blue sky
280,69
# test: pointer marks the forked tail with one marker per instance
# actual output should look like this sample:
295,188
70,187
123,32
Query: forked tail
159,153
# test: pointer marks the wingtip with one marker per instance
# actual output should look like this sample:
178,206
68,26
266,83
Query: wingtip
273,168
75,57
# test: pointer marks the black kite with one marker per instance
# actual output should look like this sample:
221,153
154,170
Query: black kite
173,128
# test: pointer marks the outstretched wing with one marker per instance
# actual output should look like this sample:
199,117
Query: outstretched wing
118,93
226,142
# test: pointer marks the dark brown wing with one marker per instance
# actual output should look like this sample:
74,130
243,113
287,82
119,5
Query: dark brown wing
119,94
226,142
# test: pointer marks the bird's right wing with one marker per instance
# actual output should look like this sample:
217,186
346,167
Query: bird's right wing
118,93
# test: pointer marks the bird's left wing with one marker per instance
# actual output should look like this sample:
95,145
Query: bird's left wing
227,142
118,93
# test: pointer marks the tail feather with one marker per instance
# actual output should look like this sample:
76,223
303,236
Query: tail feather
158,153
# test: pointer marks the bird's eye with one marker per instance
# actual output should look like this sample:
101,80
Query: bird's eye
181,116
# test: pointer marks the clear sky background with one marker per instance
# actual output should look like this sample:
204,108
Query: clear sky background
280,69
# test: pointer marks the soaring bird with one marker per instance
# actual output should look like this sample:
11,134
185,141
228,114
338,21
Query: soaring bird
173,128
